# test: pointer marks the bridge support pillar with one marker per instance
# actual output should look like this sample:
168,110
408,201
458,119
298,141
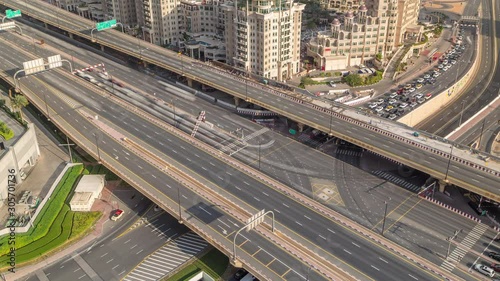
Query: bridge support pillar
236,263
301,127
190,82
46,25
237,101
442,185
71,35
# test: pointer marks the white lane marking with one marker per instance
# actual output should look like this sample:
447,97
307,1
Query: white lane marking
298,223
104,255
256,198
153,176
413,277
204,168
126,241
174,151
383,260
307,217
133,246
356,245
322,237
265,193
347,252
113,268
139,252
375,268
237,187
285,205
246,183
140,167
110,261
331,230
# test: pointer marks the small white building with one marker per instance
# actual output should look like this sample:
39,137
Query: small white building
88,189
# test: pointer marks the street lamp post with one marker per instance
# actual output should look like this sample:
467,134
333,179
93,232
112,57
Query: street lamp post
259,155
98,152
448,166
175,117
451,238
385,216
69,149
331,118
46,106
481,135
461,114
179,202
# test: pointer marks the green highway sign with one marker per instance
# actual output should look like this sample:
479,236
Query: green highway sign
105,25
12,14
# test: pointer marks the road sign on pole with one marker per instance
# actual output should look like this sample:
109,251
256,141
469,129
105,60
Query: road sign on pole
105,24
255,220
7,25
12,14
55,61
33,66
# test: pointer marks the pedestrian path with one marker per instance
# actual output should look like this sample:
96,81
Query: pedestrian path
397,180
459,252
306,139
167,258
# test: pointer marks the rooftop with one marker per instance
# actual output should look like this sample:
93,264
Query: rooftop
90,183
12,124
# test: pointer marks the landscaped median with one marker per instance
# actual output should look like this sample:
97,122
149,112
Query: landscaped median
213,263
55,226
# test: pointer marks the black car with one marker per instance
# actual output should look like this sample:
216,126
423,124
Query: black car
240,274
495,256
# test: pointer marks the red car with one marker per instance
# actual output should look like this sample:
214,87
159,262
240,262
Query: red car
496,267
118,214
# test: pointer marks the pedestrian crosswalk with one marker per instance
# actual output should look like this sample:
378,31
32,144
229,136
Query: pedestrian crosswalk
461,250
349,152
167,258
397,180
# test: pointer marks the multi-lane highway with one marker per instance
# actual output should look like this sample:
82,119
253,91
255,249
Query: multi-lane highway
417,156
484,88
243,188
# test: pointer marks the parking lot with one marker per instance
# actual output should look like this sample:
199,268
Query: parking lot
401,100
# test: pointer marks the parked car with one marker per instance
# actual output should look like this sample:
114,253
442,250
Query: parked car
483,269
495,267
392,116
427,76
428,96
420,80
495,256
117,215
240,273
403,105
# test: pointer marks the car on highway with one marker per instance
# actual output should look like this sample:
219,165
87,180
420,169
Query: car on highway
378,109
495,256
418,86
427,76
240,273
421,100
436,74
332,84
484,269
408,86
420,80
372,105
393,95
117,215
392,116
413,104
392,101
419,95
428,96
453,62
403,105
440,66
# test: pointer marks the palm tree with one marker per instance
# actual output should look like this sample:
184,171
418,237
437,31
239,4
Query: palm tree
18,102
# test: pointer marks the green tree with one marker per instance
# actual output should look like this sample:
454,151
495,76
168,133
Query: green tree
379,56
354,80
18,102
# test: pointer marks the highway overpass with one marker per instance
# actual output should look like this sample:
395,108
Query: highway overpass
149,175
427,153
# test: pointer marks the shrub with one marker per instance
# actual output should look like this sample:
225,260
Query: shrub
5,131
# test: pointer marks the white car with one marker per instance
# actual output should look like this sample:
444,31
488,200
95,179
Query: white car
393,95
453,62
372,105
403,105
412,90
420,80
427,76
378,109
332,84
483,269
418,96
392,101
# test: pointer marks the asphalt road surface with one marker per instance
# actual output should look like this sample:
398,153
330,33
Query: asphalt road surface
457,171
293,217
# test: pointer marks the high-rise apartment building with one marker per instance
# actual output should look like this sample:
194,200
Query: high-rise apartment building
161,21
263,37
377,27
